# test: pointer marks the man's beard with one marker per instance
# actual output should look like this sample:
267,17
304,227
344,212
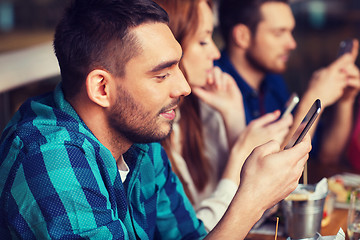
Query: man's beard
141,134
257,65
132,122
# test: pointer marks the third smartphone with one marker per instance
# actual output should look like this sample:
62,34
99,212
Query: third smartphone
345,47
290,104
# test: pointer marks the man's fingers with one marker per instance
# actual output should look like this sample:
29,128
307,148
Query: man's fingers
342,61
301,150
355,49
267,149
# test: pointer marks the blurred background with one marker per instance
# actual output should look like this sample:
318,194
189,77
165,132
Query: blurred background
28,66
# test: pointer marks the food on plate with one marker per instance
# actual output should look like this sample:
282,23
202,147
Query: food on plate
326,219
337,186
328,209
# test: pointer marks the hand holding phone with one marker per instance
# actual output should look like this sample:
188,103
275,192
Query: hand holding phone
345,47
290,104
305,125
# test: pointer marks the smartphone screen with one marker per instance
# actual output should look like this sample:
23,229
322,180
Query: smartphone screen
345,47
306,123
290,104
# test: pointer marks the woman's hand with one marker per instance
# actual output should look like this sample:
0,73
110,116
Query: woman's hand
260,131
223,94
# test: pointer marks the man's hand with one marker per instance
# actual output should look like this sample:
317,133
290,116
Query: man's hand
353,84
339,79
271,175
328,84
268,176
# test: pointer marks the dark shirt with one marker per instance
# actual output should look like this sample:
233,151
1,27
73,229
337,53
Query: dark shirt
272,95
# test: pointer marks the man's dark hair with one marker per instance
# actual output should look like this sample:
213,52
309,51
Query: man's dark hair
247,12
96,34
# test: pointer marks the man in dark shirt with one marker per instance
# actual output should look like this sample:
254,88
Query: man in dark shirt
258,39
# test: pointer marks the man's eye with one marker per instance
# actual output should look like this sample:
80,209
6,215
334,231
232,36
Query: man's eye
279,33
163,76
203,43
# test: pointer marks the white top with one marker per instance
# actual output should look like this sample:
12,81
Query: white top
123,168
210,204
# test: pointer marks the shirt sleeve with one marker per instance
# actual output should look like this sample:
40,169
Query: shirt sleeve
58,193
176,218
211,209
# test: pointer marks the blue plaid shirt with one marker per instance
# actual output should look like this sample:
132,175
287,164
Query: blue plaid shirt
58,181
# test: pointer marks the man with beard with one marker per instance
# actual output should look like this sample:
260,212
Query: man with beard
79,162
258,38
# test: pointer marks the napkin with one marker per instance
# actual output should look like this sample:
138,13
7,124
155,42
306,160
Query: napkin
339,236
321,189
319,192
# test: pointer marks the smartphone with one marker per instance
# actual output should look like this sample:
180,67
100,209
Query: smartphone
290,104
345,47
306,123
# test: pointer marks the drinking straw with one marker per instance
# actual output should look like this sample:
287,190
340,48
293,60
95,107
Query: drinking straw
305,175
277,225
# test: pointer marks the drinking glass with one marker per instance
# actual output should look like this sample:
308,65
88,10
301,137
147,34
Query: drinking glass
353,224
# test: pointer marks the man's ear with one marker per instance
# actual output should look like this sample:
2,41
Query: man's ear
241,36
97,87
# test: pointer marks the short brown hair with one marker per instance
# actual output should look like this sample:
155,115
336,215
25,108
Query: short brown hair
97,34
234,12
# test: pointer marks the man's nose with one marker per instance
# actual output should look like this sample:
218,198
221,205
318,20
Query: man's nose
182,87
291,42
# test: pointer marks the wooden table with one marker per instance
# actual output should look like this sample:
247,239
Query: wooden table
316,172
338,219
